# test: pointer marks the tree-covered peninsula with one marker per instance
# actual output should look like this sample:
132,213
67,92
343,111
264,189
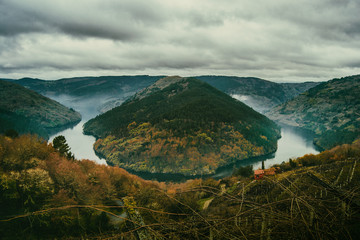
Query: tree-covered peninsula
181,125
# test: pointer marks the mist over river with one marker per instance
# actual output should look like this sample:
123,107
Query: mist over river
293,142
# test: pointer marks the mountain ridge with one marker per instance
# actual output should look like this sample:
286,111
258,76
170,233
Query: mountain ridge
261,94
25,110
331,110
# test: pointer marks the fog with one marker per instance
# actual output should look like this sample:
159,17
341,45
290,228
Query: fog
250,101
87,107
82,145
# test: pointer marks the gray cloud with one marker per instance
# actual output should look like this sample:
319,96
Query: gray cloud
282,40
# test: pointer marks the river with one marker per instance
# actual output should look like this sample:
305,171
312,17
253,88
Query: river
293,143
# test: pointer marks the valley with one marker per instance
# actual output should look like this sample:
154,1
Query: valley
293,143
179,120
96,198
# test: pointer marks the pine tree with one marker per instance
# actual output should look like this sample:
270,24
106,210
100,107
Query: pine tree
60,144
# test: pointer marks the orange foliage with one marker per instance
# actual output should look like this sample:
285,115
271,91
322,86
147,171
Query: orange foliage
151,149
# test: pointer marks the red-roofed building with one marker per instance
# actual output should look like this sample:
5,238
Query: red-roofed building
259,174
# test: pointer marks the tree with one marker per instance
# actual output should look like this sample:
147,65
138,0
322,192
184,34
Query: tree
60,144
11,133
245,171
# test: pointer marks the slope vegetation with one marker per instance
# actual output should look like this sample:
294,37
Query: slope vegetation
46,196
26,111
258,93
331,110
181,125
66,194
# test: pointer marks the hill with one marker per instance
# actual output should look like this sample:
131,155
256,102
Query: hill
89,86
90,95
26,111
258,93
331,110
46,196
181,125
62,196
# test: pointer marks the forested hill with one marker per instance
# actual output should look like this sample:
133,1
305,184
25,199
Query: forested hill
261,94
181,125
26,111
331,110
258,93
89,86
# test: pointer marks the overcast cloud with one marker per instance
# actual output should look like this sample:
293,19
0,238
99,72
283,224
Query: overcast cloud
280,40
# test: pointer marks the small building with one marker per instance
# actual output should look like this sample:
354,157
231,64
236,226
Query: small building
270,171
259,174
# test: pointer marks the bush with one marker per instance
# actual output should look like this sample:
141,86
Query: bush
246,171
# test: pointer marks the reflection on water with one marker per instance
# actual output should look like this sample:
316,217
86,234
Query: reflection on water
293,143
81,145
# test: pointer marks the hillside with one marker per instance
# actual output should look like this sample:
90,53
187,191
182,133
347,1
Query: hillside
258,93
90,95
89,86
26,111
331,110
46,196
67,193
181,125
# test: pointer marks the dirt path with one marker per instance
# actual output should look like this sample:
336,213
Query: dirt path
207,202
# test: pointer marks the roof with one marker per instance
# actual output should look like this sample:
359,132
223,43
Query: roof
258,172
270,171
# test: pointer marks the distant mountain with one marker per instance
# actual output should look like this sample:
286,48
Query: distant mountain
258,93
331,110
90,95
89,86
181,125
26,111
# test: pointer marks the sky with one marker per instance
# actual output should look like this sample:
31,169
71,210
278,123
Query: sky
280,40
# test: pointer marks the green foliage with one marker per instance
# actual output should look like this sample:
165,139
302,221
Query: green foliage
21,124
62,147
26,111
264,94
11,133
85,87
292,163
330,110
52,197
33,178
187,126
244,171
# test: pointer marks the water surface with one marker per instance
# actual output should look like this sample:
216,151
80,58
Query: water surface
81,145
293,143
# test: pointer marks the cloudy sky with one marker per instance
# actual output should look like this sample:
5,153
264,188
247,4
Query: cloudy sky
282,40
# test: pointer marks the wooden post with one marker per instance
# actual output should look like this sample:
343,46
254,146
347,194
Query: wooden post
135,219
